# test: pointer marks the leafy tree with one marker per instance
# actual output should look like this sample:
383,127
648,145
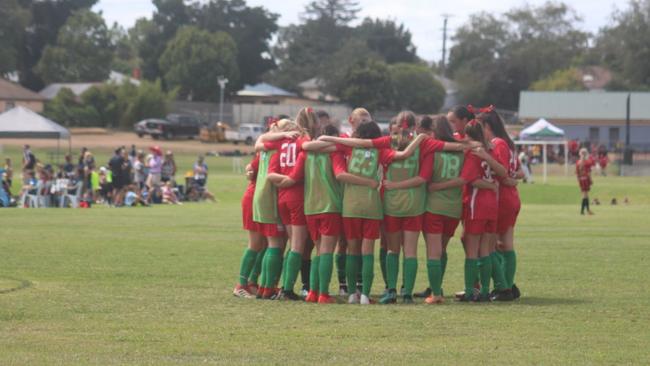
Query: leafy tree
125,57
335,68
624,46
83,51
194,59
67,110
149,101
416,88
369,85
566,80
14,20
46,18
495,57
388,39
341,12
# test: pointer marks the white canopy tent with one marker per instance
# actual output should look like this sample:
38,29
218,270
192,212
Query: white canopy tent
20,122
545,133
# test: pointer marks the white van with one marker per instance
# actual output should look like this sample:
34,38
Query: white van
247,133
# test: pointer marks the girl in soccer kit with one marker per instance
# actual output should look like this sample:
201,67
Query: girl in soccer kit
583,172
329,189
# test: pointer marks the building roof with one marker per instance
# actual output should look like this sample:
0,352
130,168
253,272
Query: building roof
263,90
50,91
583,105
12,91
22,122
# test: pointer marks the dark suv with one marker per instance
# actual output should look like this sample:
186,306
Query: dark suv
175,125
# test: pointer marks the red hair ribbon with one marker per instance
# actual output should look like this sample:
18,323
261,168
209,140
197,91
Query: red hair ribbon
471,109
272,121
473,123
487,109
310,110
405,124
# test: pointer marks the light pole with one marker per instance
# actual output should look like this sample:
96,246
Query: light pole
222,84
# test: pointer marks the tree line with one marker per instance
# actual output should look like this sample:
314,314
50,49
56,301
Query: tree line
185,46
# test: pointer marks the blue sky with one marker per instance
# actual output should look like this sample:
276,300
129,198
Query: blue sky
422,17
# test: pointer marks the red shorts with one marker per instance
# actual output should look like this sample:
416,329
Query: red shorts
507,218
328,224
439,224
272,230
247,214
585,185
292,213
393,224
478,227
357,228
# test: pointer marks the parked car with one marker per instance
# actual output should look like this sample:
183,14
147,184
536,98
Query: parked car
247,133
175,125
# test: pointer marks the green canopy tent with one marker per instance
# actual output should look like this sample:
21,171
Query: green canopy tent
545,133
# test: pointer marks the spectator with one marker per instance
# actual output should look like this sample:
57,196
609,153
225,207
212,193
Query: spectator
168,170
88,168
168,194
132,197
139,175
524,162
200,190
155,168
132,155
115,166
29,164
68,167
9,172
105,185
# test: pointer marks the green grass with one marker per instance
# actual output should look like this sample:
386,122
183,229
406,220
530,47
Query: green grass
152,286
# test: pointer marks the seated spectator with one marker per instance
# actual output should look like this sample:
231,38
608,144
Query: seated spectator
105,186
132,198
168,194
9,171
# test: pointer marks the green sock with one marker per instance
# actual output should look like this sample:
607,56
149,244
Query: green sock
392,267
257,268
352,271
443,265
313,274
274,266
265,270
367,273
247,262
340,268
497,272
434,270
410,272
382,264
359,265
510,264
485,274
471,269
294,262
325,273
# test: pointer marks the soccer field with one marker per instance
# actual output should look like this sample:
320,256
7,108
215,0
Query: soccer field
152,286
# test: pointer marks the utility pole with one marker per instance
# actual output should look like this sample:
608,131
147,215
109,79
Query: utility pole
444,42
222,84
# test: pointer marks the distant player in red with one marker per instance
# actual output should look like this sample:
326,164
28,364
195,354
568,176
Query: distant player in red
583,172
504,260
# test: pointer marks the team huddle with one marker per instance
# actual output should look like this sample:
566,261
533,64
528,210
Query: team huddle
331,196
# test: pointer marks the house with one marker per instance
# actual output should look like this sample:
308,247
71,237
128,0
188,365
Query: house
51,91
313,89
12,95
597,117
264,93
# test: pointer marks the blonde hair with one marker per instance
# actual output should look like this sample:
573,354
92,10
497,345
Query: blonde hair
308,121
286,125
584,153
361,115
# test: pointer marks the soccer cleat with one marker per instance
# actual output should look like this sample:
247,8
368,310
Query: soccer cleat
364,300
389,297
401,291
353,299
460,294
326,299
260,293
343,290
472,298
407,299
503,295
253,288
272,293
484,298
433,300
304,292
424,294
242,292
289,295
515,292
312,296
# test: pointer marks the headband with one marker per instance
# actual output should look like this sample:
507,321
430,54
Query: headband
487,109
405,123
310,110
272,122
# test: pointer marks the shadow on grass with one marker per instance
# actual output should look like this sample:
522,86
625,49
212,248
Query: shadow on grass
22,284
549,301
